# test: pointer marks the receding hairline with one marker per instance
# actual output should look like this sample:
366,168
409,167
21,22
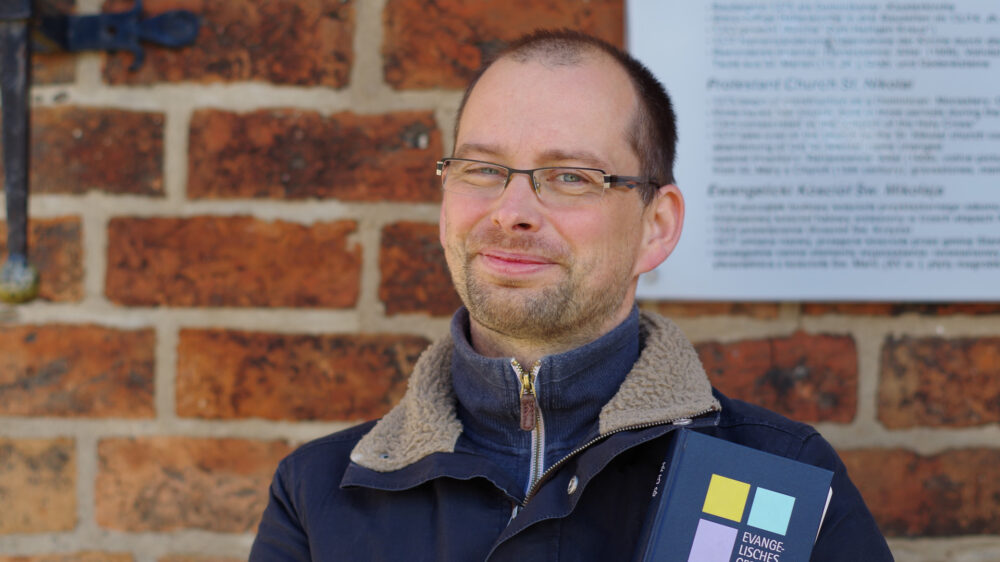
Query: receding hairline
563,48
555,53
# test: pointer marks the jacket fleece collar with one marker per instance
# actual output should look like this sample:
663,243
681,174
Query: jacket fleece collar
666,383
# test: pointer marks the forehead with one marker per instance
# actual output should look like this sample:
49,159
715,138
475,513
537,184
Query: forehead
533,107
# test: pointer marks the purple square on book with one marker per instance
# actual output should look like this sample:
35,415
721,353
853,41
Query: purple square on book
712,542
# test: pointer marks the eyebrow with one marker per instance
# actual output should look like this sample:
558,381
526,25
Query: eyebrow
583,156
477,148
553,156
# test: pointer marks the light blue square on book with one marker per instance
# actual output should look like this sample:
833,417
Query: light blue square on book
712,542
771,511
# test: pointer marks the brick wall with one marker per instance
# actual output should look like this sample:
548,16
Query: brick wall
238,248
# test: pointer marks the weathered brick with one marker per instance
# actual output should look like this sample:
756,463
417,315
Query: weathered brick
51,69
37,485
232,261
415,275
689,309
300,42
293,154
90,556
900,308
442,43
939,382
76,371
808,377
170,483
78,149
233,374
956,492
55,248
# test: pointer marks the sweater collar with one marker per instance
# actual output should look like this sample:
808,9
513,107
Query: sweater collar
666,383
571,387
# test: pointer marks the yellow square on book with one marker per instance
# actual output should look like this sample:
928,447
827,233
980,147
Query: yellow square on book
726,498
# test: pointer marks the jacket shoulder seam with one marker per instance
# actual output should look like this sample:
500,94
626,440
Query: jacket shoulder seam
349,436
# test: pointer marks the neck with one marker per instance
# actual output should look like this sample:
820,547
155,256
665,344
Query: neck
493,344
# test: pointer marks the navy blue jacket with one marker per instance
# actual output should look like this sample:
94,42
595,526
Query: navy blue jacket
401,490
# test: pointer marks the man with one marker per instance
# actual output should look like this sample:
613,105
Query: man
536,430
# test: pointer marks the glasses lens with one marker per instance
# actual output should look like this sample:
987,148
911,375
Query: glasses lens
571,183
479,178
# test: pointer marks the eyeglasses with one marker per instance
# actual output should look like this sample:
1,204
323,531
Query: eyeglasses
559,186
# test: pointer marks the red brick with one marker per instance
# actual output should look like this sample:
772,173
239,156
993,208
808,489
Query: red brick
939,382
51,69
232,261
232,374
953,493
900,308
171,483
442,43
293,154
807,377
78,149
55,249
689,309
300,42
38,485
855,309
76,371
415,275
73,557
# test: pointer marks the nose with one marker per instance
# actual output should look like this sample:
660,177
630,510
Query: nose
518,207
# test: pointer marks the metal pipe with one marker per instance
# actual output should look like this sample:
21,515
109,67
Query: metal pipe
18,279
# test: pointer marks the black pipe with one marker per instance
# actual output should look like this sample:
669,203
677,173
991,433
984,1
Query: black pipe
18,280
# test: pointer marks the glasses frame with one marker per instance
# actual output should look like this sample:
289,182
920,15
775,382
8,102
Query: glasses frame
610,180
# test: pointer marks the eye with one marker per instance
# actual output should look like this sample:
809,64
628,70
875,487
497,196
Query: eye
573,182
484,170
478,174
573,178
569,177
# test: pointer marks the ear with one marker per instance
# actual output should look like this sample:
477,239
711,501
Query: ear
662,222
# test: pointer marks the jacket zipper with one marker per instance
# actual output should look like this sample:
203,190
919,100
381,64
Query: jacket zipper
531,418
537,483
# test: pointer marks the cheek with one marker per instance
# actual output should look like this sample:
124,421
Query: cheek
442,227
448,223
459,214
458,219
602,238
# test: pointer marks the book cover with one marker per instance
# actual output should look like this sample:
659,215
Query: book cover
716,501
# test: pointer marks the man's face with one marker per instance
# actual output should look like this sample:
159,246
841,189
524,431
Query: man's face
524,269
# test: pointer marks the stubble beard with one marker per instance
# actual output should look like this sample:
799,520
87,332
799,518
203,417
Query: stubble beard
563,312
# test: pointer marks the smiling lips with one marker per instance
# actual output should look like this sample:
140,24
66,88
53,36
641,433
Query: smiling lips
512,263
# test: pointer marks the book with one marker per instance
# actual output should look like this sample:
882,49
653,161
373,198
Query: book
716,501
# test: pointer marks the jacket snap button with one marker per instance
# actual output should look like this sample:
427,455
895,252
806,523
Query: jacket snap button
571,487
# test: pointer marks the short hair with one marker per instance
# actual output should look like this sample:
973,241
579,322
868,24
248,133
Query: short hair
652,133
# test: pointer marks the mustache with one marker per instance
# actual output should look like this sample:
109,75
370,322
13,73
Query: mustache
527,243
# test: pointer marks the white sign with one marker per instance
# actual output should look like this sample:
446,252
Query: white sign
830,149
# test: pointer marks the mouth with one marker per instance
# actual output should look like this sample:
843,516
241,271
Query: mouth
514,264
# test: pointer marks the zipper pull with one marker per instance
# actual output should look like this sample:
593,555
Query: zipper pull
529,404
529,411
